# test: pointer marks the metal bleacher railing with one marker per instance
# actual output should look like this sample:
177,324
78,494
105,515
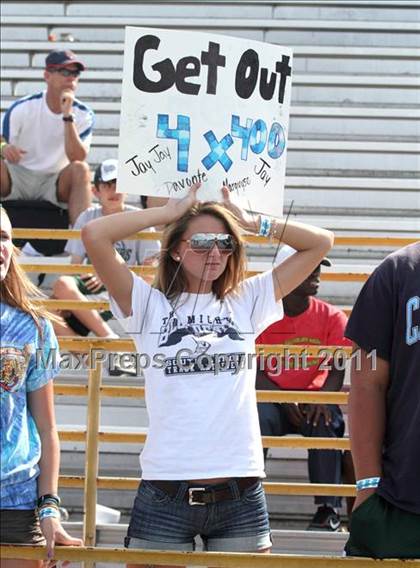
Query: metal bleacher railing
92,436
214,559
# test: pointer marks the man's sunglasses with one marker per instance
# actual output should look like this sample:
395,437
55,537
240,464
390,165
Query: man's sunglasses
65,72
204,242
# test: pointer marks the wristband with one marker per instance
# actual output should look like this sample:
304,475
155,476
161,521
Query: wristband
2,145
46,512
48,498
265,226
367,483
69,118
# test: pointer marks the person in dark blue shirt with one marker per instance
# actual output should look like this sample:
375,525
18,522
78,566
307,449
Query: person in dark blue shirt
384,410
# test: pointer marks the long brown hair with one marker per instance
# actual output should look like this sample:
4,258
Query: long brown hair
171,279
18,291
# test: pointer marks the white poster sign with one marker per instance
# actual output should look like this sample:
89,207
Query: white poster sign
207,108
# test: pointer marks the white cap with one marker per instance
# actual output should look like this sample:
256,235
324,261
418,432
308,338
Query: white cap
106,171
286,251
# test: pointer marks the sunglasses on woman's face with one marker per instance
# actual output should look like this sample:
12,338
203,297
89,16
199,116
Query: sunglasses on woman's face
204,242
66,72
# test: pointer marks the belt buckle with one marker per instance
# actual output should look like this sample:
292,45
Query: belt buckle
191,495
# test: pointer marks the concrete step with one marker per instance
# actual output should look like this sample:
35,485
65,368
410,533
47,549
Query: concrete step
285,32
312,58
335,10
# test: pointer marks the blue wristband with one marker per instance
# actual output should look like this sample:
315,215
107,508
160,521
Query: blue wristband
367,483
48,512
265,226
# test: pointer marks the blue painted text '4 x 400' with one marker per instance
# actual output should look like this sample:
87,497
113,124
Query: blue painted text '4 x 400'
254,136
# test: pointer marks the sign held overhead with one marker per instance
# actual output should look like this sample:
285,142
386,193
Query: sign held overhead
199,107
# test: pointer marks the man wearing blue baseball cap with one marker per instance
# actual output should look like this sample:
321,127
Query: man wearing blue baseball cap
47,137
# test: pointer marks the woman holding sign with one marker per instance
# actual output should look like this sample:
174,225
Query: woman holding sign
195,330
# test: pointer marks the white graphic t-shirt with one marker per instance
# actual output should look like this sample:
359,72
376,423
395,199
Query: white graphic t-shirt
198,355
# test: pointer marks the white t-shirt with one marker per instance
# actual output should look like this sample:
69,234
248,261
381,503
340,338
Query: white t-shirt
31,125
132,251
203,422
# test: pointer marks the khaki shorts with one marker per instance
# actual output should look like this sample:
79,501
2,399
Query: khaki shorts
31,184
20,527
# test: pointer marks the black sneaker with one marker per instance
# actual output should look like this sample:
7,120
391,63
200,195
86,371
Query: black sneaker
325,519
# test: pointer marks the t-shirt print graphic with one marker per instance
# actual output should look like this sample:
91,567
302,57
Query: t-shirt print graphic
173,329
200,330
13,366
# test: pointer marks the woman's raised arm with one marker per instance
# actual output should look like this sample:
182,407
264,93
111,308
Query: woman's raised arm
311,244
100,235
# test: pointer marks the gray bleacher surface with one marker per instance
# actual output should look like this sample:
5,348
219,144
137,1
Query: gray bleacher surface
353,158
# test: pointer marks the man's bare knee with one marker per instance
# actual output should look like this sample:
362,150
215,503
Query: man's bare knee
80,169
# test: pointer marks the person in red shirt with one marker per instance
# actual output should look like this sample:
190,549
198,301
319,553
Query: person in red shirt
307,321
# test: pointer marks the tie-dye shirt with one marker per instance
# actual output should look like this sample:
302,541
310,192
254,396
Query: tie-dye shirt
22,370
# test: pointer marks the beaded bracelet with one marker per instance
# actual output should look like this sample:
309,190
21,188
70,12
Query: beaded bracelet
367,483
265,226
46,512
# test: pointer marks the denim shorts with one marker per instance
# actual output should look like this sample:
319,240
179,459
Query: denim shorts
161,522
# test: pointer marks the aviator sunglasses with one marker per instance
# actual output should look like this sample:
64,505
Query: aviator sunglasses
204,242
65,72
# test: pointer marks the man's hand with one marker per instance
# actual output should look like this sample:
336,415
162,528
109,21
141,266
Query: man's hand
362,496
92,282
13,154
67,98
294,413
313,413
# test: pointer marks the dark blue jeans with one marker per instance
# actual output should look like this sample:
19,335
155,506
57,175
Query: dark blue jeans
324,466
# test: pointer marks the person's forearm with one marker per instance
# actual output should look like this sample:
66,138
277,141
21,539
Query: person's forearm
119,226
366,426
297,235
334,380
49,463
74,147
